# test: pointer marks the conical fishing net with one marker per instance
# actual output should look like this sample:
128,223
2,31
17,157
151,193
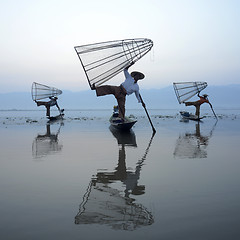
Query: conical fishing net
102,61
40,91
186,90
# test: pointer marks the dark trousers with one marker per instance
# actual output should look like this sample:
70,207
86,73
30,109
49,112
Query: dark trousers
118,92
47,105
196,105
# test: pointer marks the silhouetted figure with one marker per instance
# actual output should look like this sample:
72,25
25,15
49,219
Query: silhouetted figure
128,87
51,103
197,104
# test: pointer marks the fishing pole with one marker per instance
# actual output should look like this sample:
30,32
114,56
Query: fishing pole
143,104
213,112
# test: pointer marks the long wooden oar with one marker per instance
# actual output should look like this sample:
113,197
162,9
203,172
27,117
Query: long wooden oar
154,130
213,112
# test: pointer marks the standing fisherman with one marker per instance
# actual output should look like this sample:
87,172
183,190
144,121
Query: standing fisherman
197,104
128,87
51,103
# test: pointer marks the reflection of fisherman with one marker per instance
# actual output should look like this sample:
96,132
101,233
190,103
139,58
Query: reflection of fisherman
49,135
197,104
193,145
103,204
51,103
47,143
130,179
203,139
128,87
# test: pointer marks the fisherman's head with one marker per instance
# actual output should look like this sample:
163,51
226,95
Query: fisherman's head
205,96
137,75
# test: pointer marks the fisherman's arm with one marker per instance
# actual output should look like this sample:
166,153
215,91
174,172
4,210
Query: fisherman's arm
210,104
129,65
126,73
57,106
139,98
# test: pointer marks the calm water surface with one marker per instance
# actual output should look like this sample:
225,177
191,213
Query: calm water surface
80,179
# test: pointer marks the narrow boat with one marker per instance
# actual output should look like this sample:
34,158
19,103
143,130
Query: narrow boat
189,116
117,122
58,117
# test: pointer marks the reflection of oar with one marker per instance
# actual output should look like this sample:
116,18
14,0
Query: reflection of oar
140,162
84,201
154,130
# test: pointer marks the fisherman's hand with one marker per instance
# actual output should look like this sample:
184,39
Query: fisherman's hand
130,65
143,104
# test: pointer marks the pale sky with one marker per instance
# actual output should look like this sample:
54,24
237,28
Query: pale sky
194,40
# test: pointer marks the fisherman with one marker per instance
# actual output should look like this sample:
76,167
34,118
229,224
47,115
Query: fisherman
51,103
197,104
128,87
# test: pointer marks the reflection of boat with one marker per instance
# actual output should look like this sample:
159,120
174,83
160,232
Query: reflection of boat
47,143
117,123
192,145
107,202
125,138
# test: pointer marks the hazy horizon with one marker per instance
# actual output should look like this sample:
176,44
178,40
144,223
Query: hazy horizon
164,98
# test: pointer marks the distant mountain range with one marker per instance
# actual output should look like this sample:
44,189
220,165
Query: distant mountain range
220,96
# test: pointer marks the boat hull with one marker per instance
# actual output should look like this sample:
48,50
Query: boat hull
189,116
122,126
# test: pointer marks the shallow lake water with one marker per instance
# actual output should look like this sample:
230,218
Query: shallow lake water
80,179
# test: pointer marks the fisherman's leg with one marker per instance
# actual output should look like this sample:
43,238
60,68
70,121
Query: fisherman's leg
40,103
197,113
121,169
48,111
105,90
121,106
189,103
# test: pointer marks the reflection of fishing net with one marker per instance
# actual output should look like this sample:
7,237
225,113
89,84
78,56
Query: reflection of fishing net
191,146
102,61
104,205
44,146
186,90
40,91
